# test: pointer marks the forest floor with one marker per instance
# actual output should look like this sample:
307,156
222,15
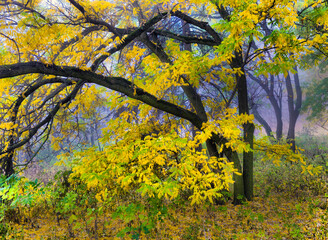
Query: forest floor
271,217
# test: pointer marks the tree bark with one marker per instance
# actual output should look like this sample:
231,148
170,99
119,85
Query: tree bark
238,186
248,162
248,128
7,164
293,108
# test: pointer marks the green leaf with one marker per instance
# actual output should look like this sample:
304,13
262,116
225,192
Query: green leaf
72,218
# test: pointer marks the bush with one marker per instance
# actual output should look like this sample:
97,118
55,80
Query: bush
287,179
315,148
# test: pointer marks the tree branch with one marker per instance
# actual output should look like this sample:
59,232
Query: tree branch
203,25
118,84
186,39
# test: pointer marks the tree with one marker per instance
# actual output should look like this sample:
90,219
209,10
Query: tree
53,52
273,88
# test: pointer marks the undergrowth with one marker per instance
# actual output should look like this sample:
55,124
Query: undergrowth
289,204
63,211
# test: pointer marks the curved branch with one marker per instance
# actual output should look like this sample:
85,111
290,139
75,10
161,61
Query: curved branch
203,25
46,120
89,19
25,7
13,40
186,39
84,33
118,84
188,89
129,38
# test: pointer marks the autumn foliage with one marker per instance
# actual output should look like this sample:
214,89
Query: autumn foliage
145,105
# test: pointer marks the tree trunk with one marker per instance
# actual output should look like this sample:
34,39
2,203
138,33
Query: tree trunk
269,88
262,121
238,186
7,164
293,109
248,128
248,161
